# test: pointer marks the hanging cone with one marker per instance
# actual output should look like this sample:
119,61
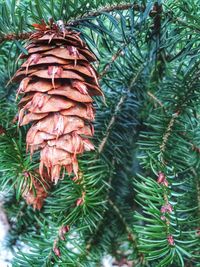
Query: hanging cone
57,81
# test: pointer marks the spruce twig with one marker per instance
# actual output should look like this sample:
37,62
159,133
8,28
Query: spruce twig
106,10
117,109
168,132
128,229
75,22
155,99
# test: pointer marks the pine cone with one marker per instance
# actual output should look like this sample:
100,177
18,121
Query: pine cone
58,83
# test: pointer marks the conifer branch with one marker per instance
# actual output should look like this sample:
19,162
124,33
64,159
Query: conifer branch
106,10
168,132
180,21
128,229
75,22
185,24
117,109
113,59
164,227
198,190
99,224
15,36
111,123
155,99
90,242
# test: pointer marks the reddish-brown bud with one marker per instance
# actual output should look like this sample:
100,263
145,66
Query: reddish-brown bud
163,218
56,250
79,202
63,230
26,174
66,229
170,240
162,179
166,208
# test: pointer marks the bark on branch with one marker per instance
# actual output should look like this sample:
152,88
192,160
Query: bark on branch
24,36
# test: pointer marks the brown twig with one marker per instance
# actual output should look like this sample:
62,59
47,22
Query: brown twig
118,107
155,99
198,193
113,59
119,53
168,133
108,9
15,36
112,121
24,36
128,229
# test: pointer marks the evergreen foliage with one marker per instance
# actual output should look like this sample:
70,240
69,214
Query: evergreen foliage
141,185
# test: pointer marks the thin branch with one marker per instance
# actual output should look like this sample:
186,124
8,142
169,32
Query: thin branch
168,132
112,121
106,10
15,36
155,99
198,193
92,239
119,53
113,59
156,13
117,109
173,17
175,115
128,229
197,187
24,36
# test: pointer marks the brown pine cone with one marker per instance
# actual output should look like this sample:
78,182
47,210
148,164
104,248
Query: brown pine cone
57,83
